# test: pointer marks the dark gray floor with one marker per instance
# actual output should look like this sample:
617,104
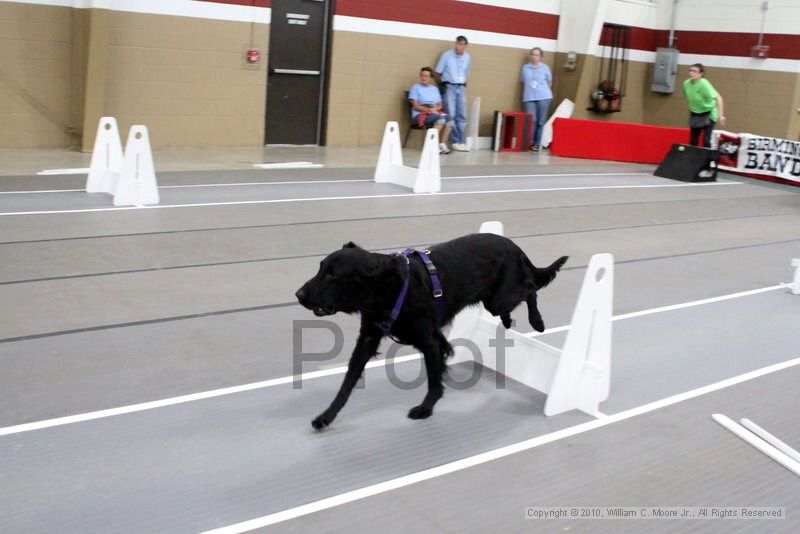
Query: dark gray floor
106,309
675,456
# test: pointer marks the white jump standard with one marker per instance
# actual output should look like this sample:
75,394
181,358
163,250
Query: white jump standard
106,165
427,178
128,176
575,377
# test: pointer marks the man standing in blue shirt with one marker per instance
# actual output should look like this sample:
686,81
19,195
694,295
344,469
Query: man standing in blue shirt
537,93
452,70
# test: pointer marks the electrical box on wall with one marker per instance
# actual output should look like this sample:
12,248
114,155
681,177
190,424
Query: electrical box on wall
760,51
666,68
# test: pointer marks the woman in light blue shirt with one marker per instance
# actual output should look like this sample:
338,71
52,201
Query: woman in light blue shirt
537,93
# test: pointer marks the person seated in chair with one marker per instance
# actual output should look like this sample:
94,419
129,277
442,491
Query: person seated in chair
426,108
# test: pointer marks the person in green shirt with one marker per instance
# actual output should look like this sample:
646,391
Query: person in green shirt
705,105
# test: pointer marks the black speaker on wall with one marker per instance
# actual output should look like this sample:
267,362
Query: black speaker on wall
689,163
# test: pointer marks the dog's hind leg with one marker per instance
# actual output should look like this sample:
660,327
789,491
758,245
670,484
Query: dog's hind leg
435,367
369,340
534,317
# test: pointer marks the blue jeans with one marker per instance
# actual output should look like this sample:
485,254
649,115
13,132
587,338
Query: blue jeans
539,110
455,104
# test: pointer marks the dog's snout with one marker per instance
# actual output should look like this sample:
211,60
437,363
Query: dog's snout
301,295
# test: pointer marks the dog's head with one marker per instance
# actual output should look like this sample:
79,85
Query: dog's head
345,281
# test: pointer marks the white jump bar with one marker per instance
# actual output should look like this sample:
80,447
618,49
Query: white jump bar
758,443
769,438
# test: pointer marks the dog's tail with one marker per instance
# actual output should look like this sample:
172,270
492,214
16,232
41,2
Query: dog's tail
542,277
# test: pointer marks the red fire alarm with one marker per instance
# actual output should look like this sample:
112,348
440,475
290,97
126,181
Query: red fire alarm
253,56
760,51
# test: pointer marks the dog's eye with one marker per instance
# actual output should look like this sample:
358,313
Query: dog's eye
329,271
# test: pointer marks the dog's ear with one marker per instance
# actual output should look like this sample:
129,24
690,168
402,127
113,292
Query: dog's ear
350,244
378,265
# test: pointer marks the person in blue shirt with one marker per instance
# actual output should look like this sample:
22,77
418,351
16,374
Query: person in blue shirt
537,93
426,108
452,70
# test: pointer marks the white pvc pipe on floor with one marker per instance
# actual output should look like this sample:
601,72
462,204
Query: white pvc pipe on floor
758,443
772,440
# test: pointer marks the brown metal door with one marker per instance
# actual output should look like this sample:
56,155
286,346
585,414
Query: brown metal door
296,77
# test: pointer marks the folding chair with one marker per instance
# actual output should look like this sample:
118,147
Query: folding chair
412,125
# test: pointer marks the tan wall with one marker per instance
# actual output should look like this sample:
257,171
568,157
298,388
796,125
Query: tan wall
37,98
370,73
761,102
794,124
184,79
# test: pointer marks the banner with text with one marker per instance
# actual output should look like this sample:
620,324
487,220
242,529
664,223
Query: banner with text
754,154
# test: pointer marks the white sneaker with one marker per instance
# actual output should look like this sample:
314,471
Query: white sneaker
461,147
443,148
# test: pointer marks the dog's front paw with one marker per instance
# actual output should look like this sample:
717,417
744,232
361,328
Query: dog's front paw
322,421
538,324
420,412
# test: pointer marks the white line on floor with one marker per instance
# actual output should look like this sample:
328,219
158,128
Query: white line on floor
670,308
452,467
265,183
289,165
300,182
43,191
101,414
63,171
234,184
359,197
548,175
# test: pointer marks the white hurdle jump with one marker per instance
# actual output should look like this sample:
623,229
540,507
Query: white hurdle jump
137,184
425,179
106,165
575,377
128,176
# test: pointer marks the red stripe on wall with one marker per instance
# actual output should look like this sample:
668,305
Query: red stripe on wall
781,46
448,13
467,15
453,14
249,3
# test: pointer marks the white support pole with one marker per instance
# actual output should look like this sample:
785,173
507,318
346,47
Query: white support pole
491,227
772,440
137,185
758,443
473,124
429,172
575,377
424,179
583,378
796,280
391,152
106,164
564,111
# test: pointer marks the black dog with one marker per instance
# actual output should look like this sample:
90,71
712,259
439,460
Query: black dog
484,268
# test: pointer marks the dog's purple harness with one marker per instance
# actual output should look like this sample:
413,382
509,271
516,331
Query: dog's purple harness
386,326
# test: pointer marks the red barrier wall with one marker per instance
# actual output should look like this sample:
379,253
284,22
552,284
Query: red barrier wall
615,141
